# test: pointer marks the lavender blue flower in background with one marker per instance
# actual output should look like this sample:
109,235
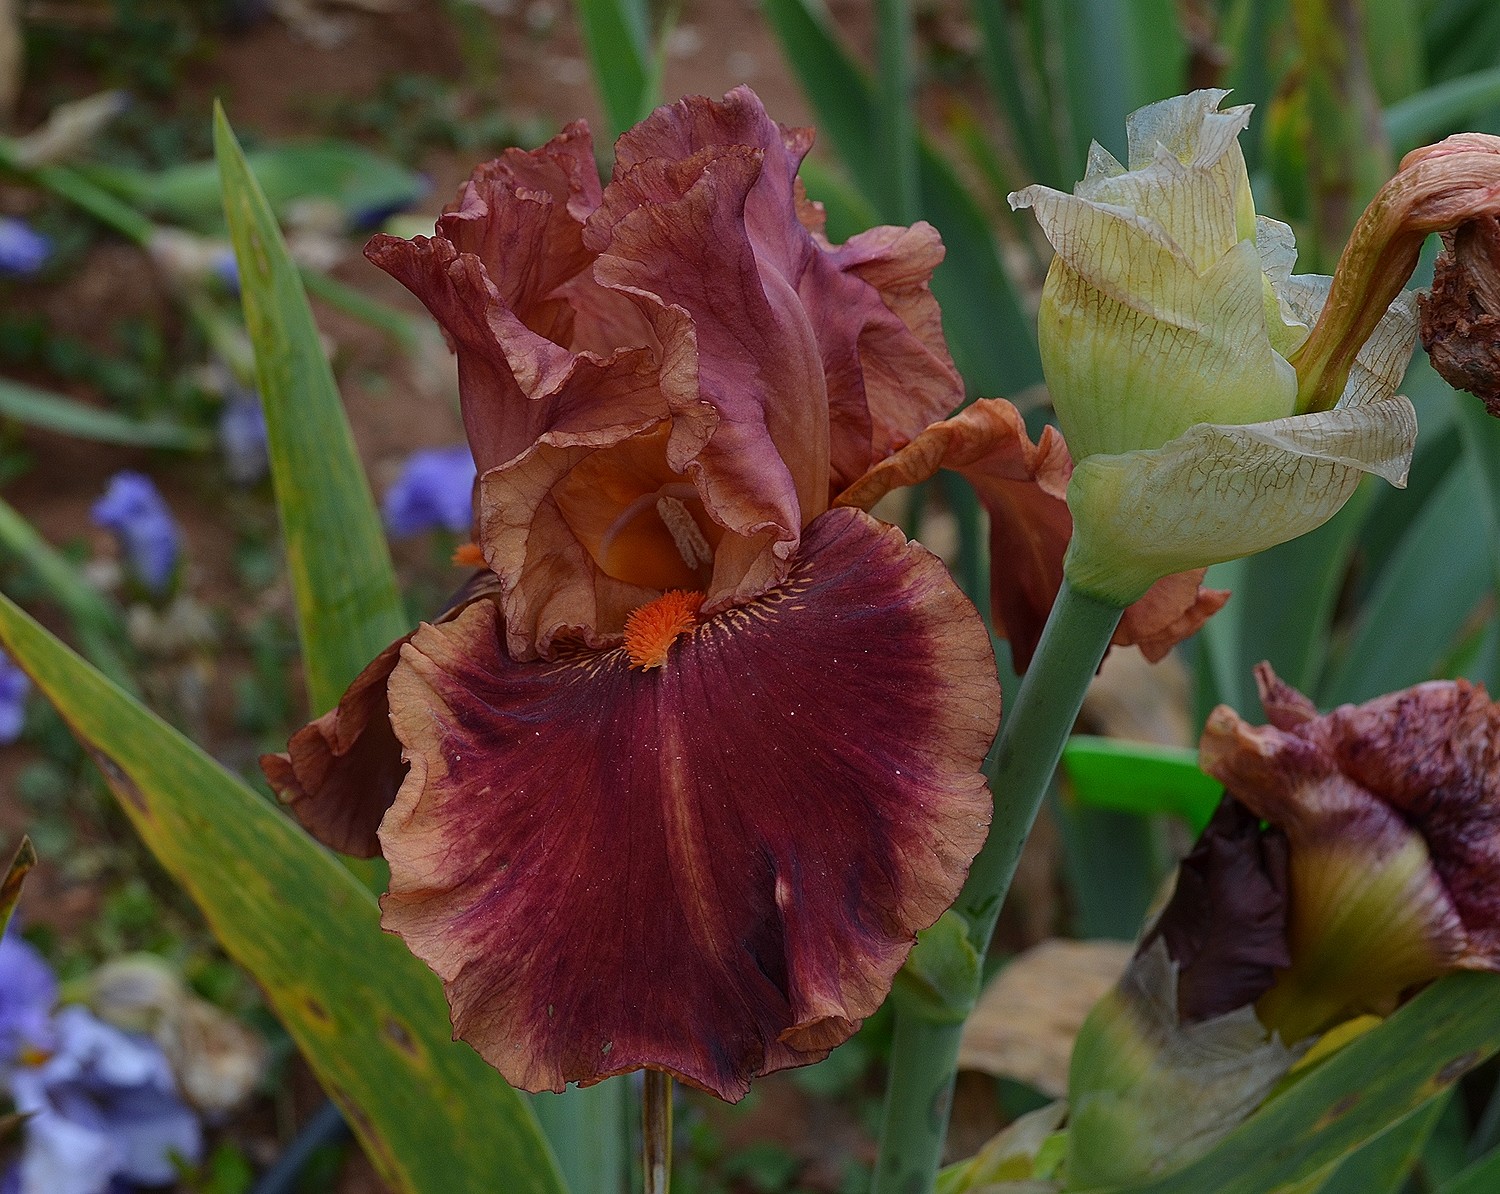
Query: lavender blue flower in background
23,250
227,269
242,436
28,991
14,687
134,512
433,492
104,1106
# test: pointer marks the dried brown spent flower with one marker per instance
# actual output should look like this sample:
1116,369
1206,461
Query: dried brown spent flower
1460,319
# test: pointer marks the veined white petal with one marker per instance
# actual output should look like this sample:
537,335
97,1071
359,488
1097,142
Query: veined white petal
1382,360
1218,492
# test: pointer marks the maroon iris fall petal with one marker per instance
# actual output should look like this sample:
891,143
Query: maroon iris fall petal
713,867
341,771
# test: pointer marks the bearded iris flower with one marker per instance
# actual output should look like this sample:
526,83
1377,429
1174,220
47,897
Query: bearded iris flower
433,491
100,1104
134,512
683,770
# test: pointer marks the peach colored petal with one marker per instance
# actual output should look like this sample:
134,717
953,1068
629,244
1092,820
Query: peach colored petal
1023,488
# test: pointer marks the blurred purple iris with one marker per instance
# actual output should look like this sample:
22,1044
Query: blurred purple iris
227,269
134,512
14,686
434,491
23,250
102,1108
28,990
242,436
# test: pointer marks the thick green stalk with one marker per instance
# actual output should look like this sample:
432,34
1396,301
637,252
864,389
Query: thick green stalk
588,1129
918,1097
1033,732
1032,736
895,114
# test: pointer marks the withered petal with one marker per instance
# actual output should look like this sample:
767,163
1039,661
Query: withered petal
1226,924
1460,317
341,771
1023,488
714,867
1432,752
1392,809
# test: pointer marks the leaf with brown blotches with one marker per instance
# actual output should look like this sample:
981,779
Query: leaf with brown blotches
10,886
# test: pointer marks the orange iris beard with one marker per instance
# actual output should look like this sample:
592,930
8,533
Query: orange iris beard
650,630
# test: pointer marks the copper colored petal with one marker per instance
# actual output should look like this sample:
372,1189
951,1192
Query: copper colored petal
713,867
341,771
677,233
1023,488
868,303
890,331
1171,610
522,215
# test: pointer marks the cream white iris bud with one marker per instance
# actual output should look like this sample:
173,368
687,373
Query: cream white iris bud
1167,322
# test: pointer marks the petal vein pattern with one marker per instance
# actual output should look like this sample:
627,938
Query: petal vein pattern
713,867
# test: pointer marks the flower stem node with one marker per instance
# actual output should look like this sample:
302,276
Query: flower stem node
940,981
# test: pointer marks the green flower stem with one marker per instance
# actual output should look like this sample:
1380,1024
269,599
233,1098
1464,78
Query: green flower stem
1033,731
918,1097
1032,736
895,117
656,1133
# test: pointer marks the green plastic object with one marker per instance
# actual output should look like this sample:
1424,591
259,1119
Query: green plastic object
1140,778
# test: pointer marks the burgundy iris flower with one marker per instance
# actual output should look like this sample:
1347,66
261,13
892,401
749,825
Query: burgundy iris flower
684,769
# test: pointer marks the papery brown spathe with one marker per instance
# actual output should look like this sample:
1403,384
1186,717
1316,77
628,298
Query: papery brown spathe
1460,317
